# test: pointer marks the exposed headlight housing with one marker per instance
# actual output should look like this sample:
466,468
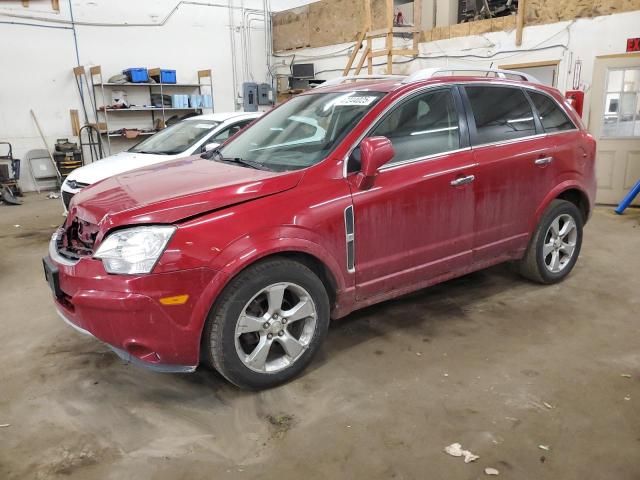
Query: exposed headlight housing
134,250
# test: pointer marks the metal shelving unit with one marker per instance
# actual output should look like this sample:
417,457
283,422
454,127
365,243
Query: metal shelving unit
205,81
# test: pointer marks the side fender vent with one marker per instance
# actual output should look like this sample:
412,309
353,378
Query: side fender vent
350,238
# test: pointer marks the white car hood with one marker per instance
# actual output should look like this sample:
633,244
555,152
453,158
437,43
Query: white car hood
115,164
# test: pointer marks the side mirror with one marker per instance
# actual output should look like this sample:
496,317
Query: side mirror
374,153
210,146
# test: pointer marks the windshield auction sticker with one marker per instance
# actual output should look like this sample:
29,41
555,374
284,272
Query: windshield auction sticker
351,100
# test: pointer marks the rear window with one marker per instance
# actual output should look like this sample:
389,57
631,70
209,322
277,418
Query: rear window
501,113
552,117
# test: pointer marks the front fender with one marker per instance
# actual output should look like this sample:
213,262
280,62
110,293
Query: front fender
251,248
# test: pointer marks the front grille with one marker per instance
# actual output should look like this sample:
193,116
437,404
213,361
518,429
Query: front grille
66,198
76,239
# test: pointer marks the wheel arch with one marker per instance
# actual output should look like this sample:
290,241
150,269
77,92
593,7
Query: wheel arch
234,261
571,191
314,264
311,261
579,198
327,276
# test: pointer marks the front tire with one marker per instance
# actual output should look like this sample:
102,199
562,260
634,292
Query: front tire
267,324
555,245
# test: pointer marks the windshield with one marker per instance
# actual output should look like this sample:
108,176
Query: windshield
176,138
303,131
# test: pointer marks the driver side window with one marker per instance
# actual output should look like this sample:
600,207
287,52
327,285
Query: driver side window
426,124
227,132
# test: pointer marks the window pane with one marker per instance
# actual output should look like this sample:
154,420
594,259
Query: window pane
631,80
552,117
501,113
424,125
612,104
303,131
627,110
614,82
176,138
622,116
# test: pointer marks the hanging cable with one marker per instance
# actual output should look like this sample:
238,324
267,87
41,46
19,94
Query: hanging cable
161,23
425,57
75,36
35,25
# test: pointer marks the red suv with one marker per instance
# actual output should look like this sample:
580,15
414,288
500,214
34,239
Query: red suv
342,197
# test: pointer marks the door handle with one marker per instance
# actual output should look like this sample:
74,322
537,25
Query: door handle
544,161
463,180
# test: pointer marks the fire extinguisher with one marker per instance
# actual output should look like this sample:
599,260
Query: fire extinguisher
576,100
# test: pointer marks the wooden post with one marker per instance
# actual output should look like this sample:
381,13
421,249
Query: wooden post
367,28
389,37
55,4
520,22
25,3
365,56
75,122
434,22
417,22
353,55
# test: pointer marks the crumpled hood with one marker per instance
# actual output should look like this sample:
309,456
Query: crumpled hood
172,191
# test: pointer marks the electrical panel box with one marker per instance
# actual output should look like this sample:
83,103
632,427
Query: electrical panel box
265,94
283,84
250,97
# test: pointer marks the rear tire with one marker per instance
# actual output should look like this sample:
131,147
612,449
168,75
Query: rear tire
555,245
267,324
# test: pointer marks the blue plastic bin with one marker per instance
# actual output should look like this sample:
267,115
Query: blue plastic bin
137,75
167,76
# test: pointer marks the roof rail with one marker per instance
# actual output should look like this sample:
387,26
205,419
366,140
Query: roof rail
341,80
427,73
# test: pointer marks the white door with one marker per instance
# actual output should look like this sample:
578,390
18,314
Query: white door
615,122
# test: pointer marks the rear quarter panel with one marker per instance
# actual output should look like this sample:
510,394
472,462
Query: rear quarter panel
574,169
574,159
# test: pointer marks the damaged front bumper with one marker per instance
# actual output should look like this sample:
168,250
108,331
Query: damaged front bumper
125,311
127,357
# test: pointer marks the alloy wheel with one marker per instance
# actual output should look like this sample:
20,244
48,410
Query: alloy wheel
560,243
275,327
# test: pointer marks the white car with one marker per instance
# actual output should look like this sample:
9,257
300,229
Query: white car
188,137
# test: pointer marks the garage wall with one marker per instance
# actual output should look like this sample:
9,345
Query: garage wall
37,55
578,41
352,13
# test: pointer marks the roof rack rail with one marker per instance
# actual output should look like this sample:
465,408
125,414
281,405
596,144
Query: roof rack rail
341,80
427,73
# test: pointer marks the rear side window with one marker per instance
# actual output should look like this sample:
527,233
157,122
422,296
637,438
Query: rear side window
552,117
501,113
426,124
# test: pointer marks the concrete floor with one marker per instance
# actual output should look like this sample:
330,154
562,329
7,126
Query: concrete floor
489,360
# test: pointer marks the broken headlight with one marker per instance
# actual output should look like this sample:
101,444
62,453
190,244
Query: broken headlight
134,250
